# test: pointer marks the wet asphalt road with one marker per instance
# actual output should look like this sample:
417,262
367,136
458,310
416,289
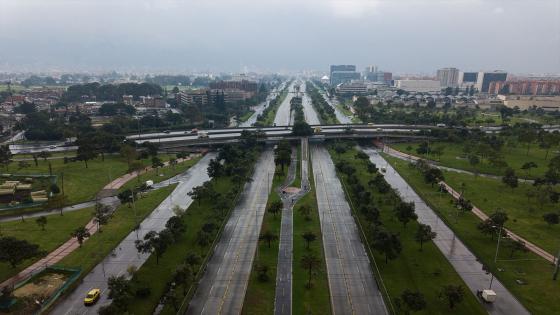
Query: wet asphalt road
222,288
352,285
283,116
125,254
308,110
453,249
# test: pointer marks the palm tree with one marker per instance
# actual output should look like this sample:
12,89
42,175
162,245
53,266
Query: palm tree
80,234
275,207
269,237
309,237
310,262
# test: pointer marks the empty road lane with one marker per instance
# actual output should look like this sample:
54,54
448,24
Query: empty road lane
222,288
352,286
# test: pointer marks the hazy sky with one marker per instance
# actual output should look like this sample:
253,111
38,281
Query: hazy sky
403,36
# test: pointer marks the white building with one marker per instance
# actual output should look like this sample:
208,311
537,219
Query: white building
448,77
424,86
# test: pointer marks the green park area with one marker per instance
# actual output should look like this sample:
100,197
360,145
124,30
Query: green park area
403,264
525,204
56,231
80,183
456,155
526,275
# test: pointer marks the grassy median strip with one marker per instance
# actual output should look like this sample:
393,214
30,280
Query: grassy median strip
259,298
526,275
57,231
425,271
316,299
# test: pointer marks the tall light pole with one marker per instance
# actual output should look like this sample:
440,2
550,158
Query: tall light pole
498,244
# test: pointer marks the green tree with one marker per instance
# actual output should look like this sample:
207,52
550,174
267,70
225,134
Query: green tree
275,207
411,301
183,276
433,176
454,294
309,237
268,237
101,215
405,212
15,251
80,234
129,153
155,242
424,233
310,262
86,151
528,166
510,179
551,218
516,245
120,292
386,243
41,222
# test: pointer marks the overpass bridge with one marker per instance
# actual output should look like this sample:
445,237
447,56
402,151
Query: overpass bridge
178,140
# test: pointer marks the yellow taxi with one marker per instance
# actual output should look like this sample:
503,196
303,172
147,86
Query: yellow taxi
92,297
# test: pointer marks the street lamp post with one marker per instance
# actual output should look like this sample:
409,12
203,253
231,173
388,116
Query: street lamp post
498,244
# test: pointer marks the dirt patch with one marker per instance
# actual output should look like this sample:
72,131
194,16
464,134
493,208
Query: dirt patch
292,190
41,287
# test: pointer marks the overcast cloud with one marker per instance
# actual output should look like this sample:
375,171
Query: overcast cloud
404,36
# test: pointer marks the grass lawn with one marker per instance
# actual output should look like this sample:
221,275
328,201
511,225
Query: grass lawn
425,271
539,293
121,224
525,215
246,116
314,300
57,231
515,156
80,183
259,298
167,172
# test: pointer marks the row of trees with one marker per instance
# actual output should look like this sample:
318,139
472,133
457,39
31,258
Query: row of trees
109,92
326,112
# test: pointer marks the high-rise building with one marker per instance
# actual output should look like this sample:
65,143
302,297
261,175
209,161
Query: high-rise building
370,69
448,77
485,78
343,73
468,78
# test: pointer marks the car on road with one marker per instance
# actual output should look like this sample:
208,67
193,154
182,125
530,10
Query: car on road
92,297
202,135
166,131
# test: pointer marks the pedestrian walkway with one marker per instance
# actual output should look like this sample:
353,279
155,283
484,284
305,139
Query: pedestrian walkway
284,275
